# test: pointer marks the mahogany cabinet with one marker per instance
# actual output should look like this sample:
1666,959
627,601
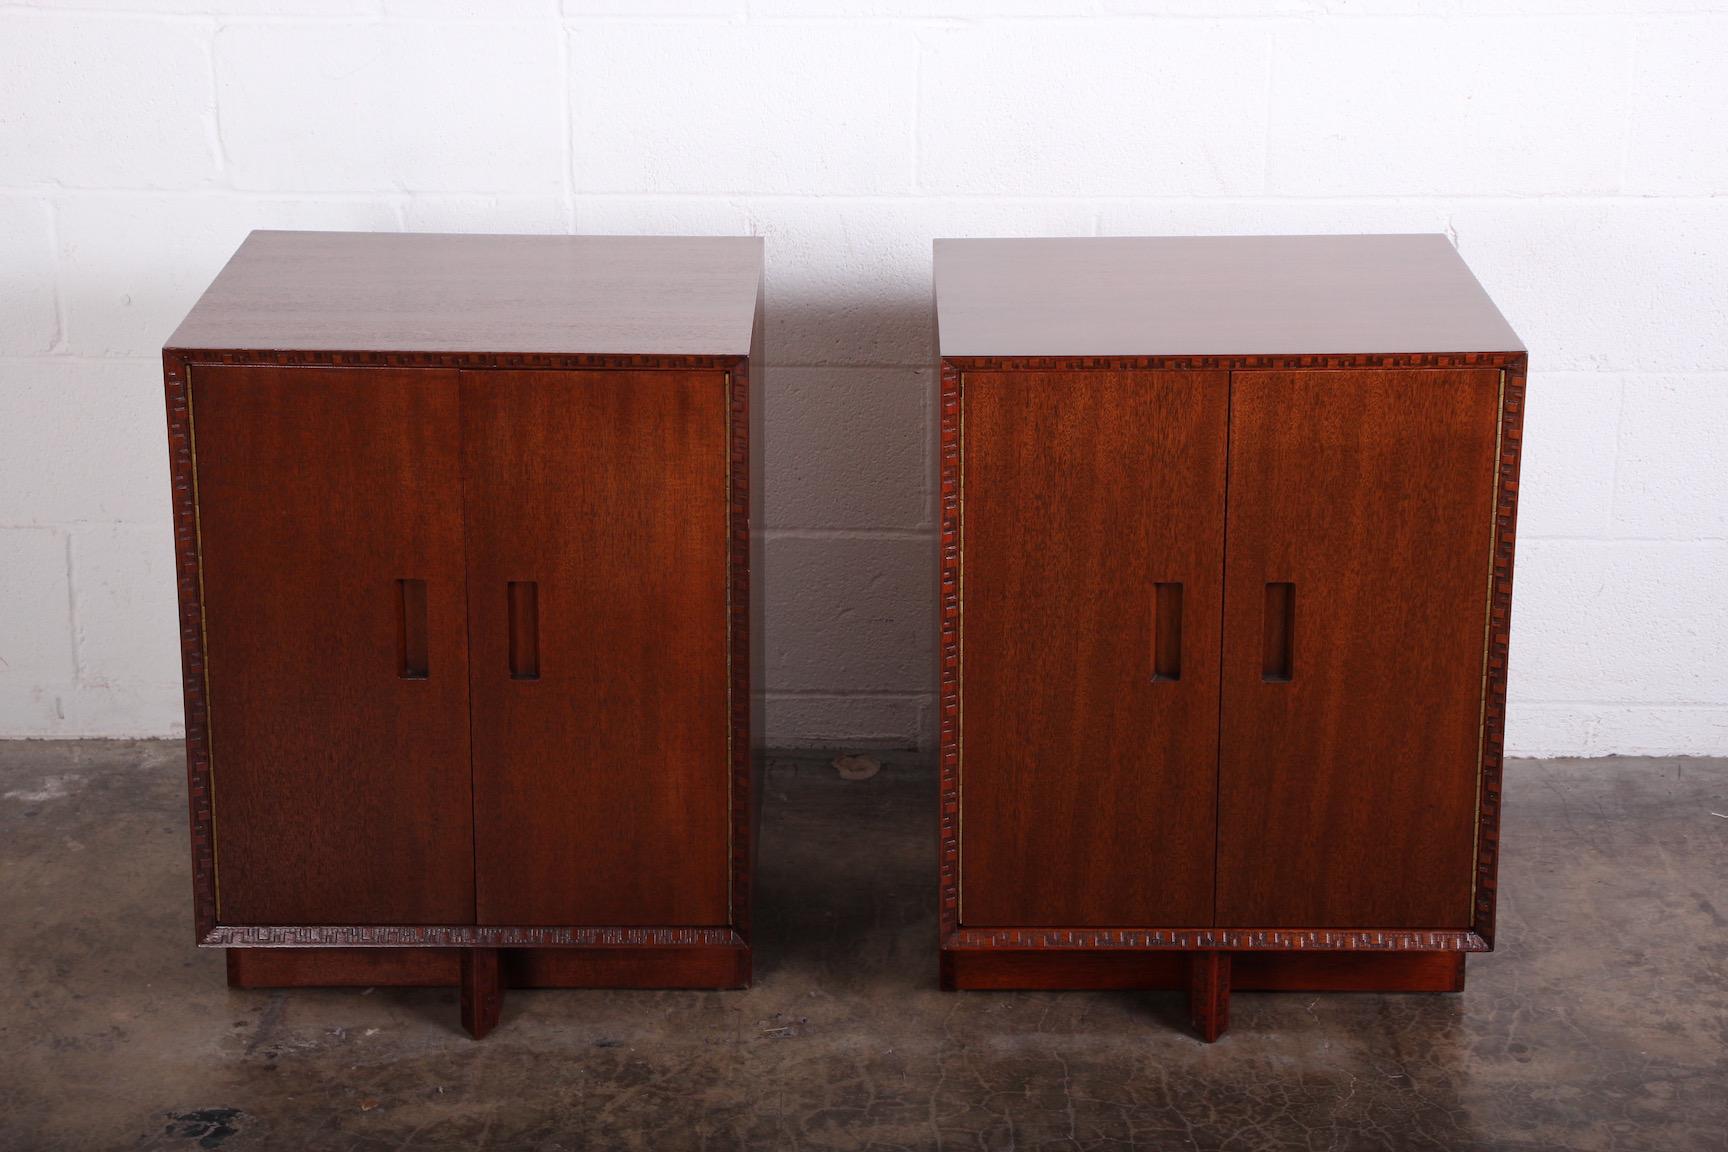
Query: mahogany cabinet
463,528
1225,578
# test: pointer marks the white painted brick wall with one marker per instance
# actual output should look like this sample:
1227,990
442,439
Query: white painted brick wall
1456,106
1573,149
93,101
1171,108
392,105
811,108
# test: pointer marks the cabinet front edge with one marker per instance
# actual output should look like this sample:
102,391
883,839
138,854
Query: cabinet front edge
363,358
1215,939
464,936
1510,359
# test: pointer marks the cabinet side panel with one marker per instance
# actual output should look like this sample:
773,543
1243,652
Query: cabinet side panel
1087,762
1360,530
601,784
330,533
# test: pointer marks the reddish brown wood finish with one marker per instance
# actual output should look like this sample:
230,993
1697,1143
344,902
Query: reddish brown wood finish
431,293
745,617
482,989
1505,532
1048,954
1479,936
1231,939
700,966
1246,306
337,967
1209,993
1123,968
343,787
601,785
1347,972
1347,793
1081,493
745,612
420,309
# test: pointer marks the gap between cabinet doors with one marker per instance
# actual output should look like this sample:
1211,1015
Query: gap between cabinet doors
732,534
1484,409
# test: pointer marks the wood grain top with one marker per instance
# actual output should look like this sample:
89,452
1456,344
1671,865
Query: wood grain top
422,292
1212,296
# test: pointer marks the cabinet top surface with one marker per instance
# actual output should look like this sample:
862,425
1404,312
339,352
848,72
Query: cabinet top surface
421,292
1212,296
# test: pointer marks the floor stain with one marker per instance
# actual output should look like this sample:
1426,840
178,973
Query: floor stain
51,788
210,1127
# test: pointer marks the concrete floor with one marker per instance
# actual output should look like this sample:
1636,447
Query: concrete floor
1601,1024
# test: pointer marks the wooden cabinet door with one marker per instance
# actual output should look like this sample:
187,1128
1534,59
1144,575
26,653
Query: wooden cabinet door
1092,515
329,510
1356,601
597,598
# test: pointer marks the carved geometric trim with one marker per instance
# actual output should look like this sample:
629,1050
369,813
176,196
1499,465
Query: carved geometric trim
1237,939
1499,634
1314,362
277,358
190,591
950,672
455,936
948,648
